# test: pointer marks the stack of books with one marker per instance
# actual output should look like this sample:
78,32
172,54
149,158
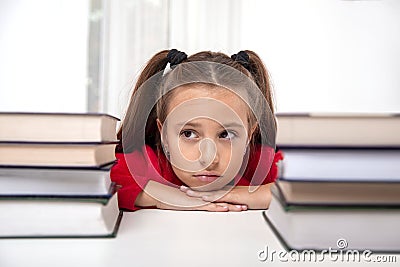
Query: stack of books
54,175
339,183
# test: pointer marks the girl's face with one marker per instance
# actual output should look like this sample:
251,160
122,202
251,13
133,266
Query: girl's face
206,133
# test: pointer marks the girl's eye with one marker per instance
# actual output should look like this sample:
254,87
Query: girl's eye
188,134
227,135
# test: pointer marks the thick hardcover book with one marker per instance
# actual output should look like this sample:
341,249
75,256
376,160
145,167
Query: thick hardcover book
340,176
55,216
57,127
56,154
338,130
334,193
340,164
346,227
55,181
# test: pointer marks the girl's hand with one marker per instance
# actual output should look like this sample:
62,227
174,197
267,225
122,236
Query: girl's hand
171,198
238,195
207,206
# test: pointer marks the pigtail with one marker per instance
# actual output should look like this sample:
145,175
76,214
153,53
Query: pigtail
261,77
133,123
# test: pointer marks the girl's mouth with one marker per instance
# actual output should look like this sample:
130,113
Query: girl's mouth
206,177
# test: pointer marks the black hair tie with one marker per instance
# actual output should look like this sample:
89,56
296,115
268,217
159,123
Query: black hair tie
175,57
243,58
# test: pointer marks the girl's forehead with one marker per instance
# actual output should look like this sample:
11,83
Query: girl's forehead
197,91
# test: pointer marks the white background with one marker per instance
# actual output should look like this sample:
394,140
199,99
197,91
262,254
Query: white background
323,55
43,55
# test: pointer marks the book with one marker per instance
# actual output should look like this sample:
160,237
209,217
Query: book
55,216
340,176
320,228
340,164
61,182
57,127
335,193
338,130
56,154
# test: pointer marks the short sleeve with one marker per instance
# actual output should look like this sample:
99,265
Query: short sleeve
129,188
273,172
260,170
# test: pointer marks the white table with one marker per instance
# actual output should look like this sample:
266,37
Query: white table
162,238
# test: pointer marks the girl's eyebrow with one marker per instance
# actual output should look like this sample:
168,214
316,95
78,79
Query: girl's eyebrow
192,124
225,125
233,125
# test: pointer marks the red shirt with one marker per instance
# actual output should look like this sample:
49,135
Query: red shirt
133,170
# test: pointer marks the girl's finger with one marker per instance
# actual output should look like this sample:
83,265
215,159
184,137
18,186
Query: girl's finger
192,193
223,207
217,207
233,207
207,198
183,188
216,197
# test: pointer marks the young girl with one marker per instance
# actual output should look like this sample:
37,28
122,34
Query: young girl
198,134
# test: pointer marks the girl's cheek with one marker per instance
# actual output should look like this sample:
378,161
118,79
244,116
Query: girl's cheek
225,152
190,152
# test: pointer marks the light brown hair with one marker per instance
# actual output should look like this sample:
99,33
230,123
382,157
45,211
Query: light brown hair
131,128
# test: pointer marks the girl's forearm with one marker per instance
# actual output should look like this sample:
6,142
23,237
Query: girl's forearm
163,196
261,198
258,197
145,200
253,197
166,197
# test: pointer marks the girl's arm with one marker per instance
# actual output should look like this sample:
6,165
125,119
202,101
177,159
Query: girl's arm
254,197
243,195
166,197
132,196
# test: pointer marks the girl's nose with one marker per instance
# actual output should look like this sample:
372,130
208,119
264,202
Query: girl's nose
208,152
